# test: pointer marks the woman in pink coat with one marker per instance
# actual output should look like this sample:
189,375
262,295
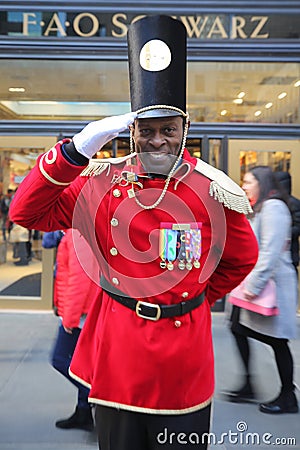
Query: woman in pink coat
74,290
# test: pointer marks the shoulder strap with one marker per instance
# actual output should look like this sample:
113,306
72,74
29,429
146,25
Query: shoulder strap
224,189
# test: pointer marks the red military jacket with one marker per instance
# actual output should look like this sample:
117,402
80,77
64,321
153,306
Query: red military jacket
163,366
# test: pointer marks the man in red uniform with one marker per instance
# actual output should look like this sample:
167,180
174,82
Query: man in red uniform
171,237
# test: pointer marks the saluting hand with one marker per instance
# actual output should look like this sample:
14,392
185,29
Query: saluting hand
96,134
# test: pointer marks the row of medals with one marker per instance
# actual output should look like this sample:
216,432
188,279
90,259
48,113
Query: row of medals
187,252
181,265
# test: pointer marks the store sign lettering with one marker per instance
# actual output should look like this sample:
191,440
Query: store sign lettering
56,25
199,27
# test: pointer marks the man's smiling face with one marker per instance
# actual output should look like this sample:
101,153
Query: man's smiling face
158,142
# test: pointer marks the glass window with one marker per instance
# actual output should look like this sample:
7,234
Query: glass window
87,90
244,92
277,160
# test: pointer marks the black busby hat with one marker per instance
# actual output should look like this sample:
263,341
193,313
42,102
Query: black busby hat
157,66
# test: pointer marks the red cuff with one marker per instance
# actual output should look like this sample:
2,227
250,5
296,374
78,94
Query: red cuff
55,168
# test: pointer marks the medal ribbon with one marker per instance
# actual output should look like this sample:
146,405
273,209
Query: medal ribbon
171,245
196,243
188,247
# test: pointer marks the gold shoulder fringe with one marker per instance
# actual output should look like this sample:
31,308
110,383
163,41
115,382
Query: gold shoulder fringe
232,201
224,189
95,168
98,166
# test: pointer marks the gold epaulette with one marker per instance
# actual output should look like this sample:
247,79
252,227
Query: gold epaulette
224,189
97,166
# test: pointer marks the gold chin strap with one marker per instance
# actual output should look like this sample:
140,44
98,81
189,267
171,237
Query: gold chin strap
168,179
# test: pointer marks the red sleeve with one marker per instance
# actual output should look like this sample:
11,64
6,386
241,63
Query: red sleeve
238,259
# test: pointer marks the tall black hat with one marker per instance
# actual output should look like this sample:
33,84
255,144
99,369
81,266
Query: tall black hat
157,66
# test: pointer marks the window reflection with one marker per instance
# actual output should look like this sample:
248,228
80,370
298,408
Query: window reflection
277,160
88,90
244,92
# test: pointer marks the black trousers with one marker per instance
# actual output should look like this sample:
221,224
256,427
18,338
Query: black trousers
280,346
126,430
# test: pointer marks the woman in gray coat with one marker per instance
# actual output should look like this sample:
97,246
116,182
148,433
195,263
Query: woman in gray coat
271,223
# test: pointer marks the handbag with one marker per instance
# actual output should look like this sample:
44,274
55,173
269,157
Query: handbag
265,303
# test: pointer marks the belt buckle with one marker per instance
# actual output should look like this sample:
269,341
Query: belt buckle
150,305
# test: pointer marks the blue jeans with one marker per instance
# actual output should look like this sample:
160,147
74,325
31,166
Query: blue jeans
61,358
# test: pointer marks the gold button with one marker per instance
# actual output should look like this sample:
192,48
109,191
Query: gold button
113,251
184,294
177,323
116,193
115,281
114,222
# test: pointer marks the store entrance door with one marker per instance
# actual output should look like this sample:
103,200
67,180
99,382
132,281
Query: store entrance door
280,155
29,285
236,156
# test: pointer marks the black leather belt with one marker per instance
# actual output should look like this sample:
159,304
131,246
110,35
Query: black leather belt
151,311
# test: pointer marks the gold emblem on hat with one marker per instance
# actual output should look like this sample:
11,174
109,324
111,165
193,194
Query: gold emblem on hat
155,56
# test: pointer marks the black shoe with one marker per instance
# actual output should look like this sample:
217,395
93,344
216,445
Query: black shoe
284,403
243,395
81,419
21,263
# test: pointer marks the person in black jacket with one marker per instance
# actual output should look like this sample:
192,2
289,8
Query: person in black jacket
285,180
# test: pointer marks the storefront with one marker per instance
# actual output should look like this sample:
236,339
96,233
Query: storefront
63,64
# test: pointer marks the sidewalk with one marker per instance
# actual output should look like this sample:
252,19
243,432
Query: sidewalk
33,395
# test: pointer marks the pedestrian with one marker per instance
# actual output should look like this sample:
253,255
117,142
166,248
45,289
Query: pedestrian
75,289
271,222
4,209
171,237
20,238
51,239
285,180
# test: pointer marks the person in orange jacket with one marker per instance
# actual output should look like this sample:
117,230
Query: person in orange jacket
171,237
74,291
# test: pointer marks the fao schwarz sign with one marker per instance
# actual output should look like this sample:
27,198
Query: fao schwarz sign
88,25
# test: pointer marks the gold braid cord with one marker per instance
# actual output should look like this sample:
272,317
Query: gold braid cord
171,108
